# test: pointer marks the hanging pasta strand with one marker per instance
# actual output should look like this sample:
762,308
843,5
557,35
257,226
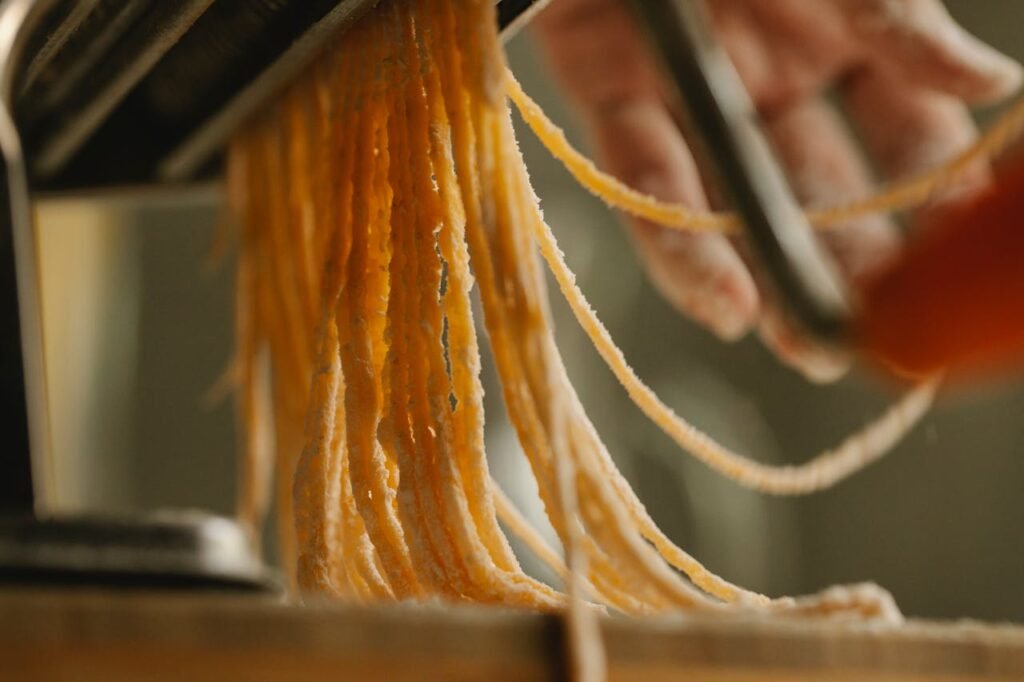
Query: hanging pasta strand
898,196
372,199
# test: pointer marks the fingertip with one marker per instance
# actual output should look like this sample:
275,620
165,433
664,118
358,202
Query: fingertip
1007,78
950,60
823,373
923,44
988,75
815,362
731,306
702,277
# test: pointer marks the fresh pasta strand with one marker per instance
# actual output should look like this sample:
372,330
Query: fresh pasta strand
897,196
826,469
384,186
520,527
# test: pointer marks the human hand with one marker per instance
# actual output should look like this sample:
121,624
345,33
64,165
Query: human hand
903,69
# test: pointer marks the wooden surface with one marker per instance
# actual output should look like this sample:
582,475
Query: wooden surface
86,636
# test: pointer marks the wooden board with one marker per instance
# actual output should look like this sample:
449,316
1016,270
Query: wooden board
114,636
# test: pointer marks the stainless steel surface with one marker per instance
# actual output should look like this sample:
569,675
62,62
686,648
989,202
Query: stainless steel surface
806,279
169,550
180,550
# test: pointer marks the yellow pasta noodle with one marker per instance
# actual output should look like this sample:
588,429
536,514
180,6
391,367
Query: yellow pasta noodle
903,194
372,198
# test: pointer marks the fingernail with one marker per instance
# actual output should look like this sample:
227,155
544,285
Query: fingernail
819,369
727,304
717,292
816,363
698,278
727,314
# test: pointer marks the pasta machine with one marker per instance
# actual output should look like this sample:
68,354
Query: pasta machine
100,93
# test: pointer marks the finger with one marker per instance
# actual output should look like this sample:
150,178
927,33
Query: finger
701,275
917,41
596,53
600,57
784,50
824,166
909,129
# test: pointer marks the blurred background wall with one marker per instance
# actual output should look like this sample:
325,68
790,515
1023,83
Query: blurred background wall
140,329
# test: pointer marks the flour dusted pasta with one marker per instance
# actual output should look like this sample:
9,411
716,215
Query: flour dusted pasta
371,199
